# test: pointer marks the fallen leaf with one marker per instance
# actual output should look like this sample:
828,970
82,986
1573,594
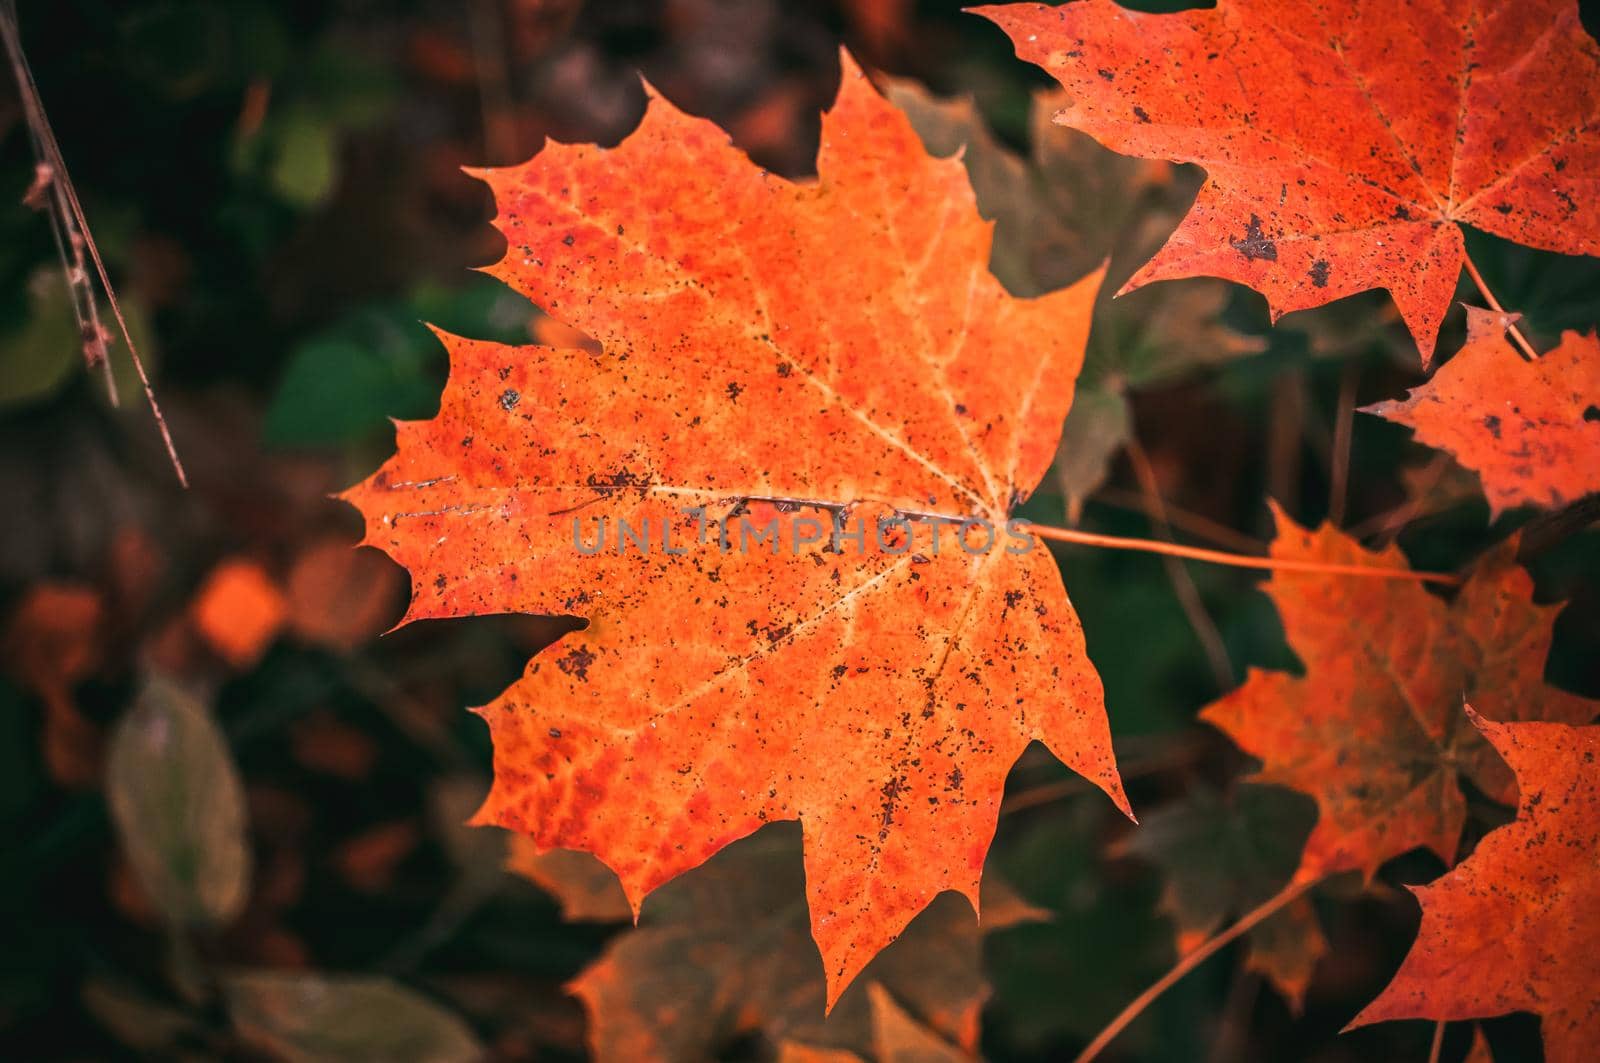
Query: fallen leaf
1344,146
238,611
725,953
1512,927
586,889
880,694
1374,729
178,806
1531,430
899,1038
1069,207
1051,224
1222,855
1095,432
308,1018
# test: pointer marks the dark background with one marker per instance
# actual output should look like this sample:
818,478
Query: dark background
276,190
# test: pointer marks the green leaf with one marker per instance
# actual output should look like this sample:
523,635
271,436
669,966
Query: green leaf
333,391
178,806
342,385
309,1018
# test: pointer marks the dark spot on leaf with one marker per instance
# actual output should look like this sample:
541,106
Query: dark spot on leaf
509,399
891,794
1141,114
1255,243
1591,414
1319,273
1492,423
577,662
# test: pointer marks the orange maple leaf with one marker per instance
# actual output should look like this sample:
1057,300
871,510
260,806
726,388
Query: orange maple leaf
1374,729
835,348
1512,927
1530,429
1344,145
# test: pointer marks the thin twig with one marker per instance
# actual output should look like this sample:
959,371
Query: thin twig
72,218
1438,1042
1155,546
1494,304
1343,428
1189,962
1194,608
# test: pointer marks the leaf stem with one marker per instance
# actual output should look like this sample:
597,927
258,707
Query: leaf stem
1438,1042
1189,962
1220,557
1494,304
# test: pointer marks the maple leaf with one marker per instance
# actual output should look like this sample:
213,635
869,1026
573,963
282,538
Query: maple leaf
1344,145
1512,927
1224,855
833,347
725,952
1374,729
1531,430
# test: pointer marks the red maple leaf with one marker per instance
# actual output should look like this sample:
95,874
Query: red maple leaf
1344,144
1530,429
1512,927
1374,729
